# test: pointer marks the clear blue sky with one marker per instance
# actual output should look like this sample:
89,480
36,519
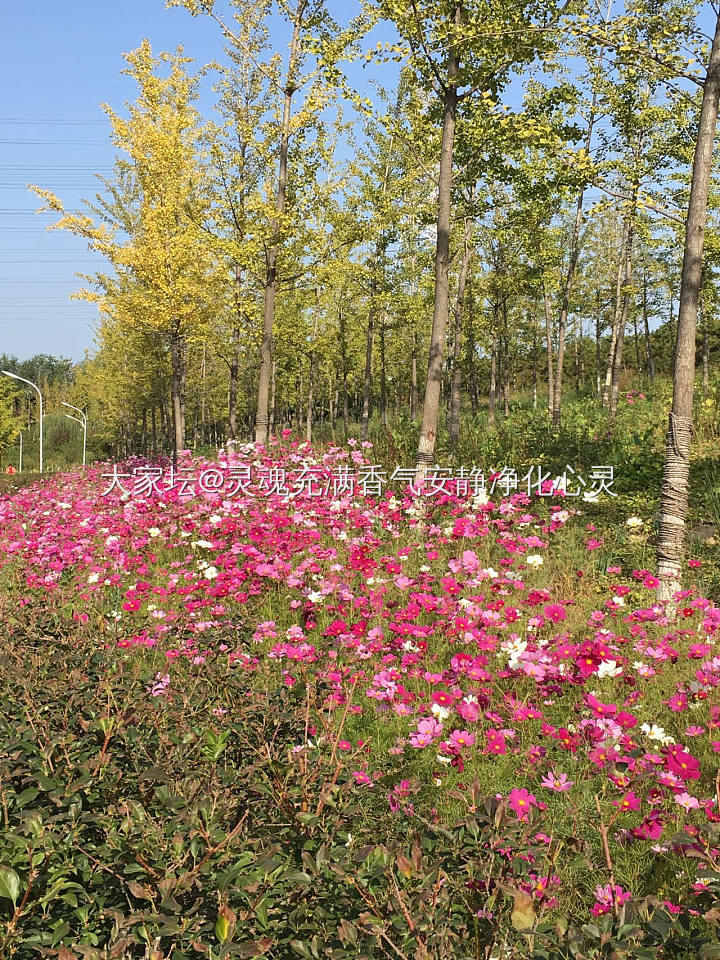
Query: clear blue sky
59,62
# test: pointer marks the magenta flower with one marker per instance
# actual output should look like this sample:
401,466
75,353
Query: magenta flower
520,802
629,802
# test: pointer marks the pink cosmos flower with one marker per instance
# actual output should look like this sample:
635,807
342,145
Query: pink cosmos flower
629,802
604,898
686,801
557,781
520,802
461,738
554,612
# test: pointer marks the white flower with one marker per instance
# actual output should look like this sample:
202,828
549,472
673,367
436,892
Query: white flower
608,668
215,518
210,573
93,578
316,597
342,535
154,532
111,540
655,732
443,759
424,568
534,560
633,522
481,498
202,544
591,496
440,713
447,531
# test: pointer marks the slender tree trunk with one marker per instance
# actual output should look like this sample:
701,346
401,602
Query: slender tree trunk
367,380
153,427
414,399
263,396
203,399
177,388
271,424
233,387
143,435
311,383
617,358
621,269
549,351
576,356
676,472
298,403
598,352
431,406
649,362
535,362
457,339
705,354
383,373
569,278
471,359
493,379
505,345
344,370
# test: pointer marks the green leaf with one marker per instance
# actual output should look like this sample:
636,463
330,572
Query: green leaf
9,884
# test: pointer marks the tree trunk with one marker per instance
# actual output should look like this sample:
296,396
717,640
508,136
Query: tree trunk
457,339
414,399
153,427
471,360
344,371
649,362
367,380
535,362
383,373
271,424
569,278
431,406
203,402
705,354
493,379
233,387
621,269
617,358
311,383
177,388
676,472
262,419
549,350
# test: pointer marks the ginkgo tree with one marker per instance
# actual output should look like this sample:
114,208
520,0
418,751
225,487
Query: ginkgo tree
164,274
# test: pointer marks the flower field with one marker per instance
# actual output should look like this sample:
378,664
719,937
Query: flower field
314,727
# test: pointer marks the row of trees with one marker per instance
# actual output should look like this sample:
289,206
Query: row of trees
523,191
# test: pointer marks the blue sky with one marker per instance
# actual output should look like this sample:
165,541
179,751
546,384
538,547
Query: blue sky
59,62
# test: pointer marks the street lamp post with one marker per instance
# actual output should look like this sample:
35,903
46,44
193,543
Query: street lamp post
37,389
83,424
